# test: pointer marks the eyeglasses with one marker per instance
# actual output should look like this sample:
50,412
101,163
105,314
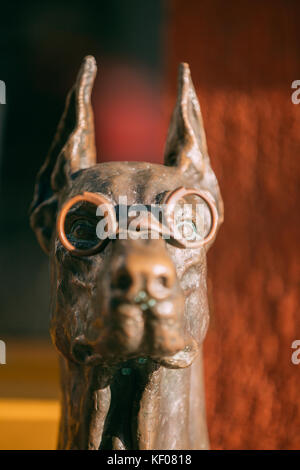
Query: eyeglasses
86,222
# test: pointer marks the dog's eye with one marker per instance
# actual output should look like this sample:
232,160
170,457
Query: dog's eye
192,218
188,230
82,231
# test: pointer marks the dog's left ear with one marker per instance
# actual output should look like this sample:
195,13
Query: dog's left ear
73,149
186,146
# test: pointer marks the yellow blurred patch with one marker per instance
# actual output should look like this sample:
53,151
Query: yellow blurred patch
28,424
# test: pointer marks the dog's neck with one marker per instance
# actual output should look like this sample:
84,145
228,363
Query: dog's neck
133,406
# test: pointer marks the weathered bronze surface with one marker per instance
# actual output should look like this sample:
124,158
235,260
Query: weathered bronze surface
129,317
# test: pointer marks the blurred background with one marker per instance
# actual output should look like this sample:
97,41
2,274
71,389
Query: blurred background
244,56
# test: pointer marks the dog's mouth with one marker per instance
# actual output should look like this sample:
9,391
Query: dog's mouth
138,327
137,330
85,354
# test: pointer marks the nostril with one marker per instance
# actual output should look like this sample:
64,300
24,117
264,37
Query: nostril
164,281
159,286
82,352
124,280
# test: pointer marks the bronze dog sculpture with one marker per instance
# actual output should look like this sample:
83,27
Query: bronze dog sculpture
128,316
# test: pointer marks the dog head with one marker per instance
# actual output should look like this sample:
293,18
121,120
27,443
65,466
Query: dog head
124,296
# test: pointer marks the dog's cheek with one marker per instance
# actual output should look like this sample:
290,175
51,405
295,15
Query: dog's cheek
72,293
197,314
193,283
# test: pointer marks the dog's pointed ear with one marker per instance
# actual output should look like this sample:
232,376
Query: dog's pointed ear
186,142
186,146
73,149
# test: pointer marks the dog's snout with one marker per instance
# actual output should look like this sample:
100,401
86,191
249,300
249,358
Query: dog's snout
146,268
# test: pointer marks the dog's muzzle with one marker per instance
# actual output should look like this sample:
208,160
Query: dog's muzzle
139,308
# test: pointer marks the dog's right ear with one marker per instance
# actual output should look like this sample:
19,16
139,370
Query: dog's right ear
73,149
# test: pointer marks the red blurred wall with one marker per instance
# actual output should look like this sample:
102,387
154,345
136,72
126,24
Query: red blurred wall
244,56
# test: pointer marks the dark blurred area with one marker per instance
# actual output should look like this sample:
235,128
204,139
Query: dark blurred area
244,56
42,45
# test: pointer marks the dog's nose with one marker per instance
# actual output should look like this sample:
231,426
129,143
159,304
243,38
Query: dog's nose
146,269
